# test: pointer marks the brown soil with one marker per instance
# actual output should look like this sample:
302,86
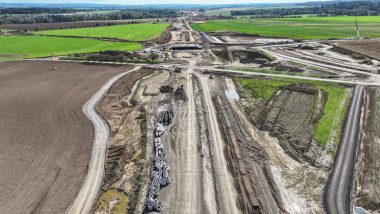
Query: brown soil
291,117
165,37
124,128
247,161
257,192
366,47
45,138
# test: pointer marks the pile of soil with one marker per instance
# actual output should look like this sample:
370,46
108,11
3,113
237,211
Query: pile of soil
247,57
166,89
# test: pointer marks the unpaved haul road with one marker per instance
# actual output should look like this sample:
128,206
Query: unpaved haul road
90,187
375,78
251,73
224,180
188,191
338,192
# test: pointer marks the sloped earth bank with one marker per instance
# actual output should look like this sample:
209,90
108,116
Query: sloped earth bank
127,146
246,159
366,47
290,116
45,139
368,179
284,127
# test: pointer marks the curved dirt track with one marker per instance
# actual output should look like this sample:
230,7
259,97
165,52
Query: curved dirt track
89,190
338,192
45,138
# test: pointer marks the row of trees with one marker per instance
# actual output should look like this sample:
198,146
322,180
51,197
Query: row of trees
35,10
73,17
120,57
350,8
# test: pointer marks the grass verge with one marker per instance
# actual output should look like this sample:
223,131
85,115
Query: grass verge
331,122
269,71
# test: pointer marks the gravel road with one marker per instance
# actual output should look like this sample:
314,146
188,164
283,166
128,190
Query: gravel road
338,191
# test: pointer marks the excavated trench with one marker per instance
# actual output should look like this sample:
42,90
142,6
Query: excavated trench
290,118
248,164
368,167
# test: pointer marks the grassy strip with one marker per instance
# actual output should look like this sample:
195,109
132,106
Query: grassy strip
131,32
300,28
265,89
44,46
269,71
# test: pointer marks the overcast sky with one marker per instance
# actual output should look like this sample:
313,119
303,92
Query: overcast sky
133,2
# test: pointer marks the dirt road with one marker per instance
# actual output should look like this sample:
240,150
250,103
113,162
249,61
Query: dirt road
45,138
224,180
338,192
90,187
188,184
374,78
250,73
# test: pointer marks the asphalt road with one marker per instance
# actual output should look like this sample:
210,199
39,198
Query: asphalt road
91,185
338,190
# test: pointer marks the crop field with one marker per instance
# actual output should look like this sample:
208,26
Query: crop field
16,47
131,32
46,139
333,117
299,28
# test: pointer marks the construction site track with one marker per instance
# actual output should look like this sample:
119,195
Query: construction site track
338,195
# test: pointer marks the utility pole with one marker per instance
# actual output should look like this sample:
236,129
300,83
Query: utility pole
357,30
53,59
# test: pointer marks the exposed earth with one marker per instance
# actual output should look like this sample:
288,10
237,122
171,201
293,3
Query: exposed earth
45,138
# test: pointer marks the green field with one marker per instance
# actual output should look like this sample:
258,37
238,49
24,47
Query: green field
298,28
16,47
333,117
131,32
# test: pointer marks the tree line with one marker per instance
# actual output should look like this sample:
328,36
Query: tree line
34,10
87,16
351,8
